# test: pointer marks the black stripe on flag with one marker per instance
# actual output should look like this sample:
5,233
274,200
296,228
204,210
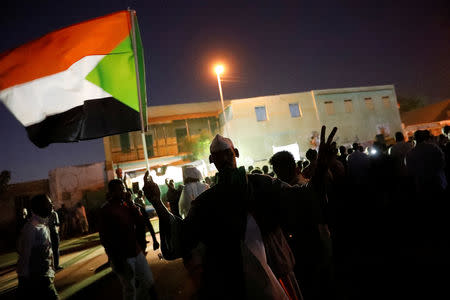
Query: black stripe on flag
94,119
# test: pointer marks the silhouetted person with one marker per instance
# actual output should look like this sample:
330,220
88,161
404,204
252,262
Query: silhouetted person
358,164
35,266
139,202
63,215
343,156
54,225
118,225
306,231
173,197
81,217
257,171
238,270
426,164
309,171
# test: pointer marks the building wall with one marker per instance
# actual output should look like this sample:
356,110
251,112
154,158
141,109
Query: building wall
362,124
164,139
68,184
12,201
255,139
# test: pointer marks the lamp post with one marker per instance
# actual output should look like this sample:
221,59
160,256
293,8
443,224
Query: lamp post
219,70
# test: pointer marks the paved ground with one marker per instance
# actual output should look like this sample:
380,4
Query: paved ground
366,271
86,275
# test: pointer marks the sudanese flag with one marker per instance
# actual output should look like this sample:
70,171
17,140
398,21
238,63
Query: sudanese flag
77,83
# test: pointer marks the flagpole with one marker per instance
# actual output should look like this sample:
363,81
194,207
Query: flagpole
136,64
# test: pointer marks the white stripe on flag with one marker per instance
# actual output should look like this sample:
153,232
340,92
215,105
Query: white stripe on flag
33,101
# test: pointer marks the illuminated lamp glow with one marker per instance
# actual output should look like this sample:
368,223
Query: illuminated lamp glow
219,69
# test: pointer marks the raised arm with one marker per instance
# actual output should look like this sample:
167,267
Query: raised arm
153,194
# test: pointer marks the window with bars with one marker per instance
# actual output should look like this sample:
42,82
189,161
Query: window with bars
329,107
295,110
369,103
348,105
261,114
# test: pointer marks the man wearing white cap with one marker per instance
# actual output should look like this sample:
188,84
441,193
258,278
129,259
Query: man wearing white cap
235,265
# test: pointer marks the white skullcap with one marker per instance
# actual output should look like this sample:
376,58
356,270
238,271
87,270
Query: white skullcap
191,172
220,143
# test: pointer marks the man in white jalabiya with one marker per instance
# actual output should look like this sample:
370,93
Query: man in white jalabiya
192,188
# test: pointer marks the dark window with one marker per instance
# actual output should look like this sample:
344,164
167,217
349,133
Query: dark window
181,134
125,142
261,114
348,105
329,107
369,103
294,108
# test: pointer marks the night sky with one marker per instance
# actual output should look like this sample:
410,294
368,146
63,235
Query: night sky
271,48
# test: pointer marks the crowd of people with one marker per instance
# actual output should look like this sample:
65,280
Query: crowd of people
341,205
295,232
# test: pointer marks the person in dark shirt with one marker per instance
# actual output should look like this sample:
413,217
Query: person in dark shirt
118,224
173,197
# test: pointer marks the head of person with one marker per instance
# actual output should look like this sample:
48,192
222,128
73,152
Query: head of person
140,194
265,169
305,164
399,137
284,166
257,171
355,146
191,174
360,148
116,190
342,150
446,131
119,172
41,205
334,148
223,154
311,155
421,136
250,169
350,151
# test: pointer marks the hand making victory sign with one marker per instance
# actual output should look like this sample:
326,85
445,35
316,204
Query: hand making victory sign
325,155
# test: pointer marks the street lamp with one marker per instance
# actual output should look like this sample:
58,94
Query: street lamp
219,70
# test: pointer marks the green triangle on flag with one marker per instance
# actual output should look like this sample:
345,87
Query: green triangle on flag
116,74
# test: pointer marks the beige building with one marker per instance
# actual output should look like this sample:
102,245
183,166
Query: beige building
258,126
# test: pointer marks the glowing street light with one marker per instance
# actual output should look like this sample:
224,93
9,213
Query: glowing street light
219,69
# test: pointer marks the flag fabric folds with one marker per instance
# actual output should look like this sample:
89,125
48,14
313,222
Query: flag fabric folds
77,83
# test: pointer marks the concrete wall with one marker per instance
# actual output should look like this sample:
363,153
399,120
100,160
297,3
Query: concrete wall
12,201
68,184
255,139
362,124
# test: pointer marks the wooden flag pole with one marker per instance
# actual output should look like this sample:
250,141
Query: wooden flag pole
136,64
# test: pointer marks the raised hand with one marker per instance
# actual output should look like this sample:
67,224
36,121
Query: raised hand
326,148
155,245
151,189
